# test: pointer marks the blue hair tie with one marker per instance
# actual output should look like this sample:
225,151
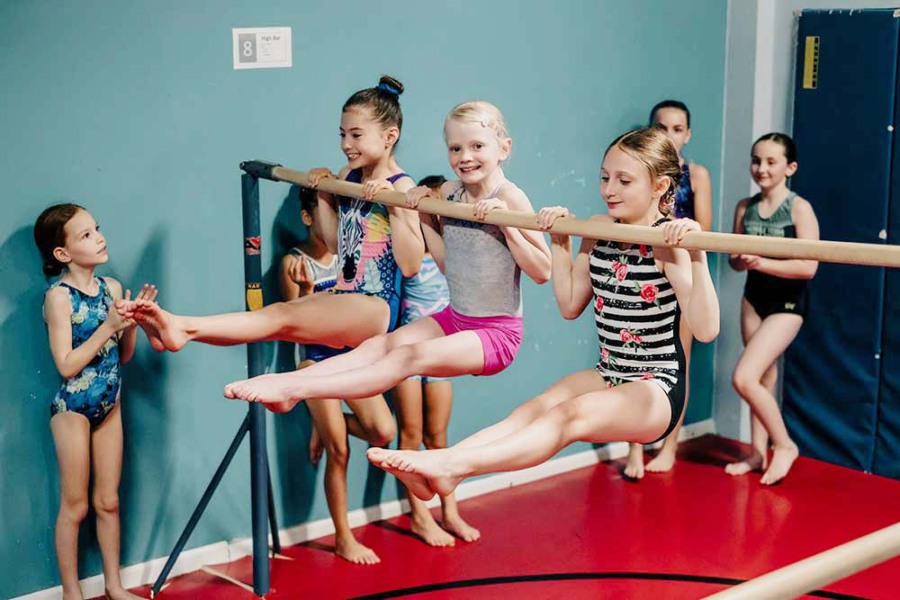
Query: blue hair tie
386,87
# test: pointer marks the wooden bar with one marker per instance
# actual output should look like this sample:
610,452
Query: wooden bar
886,255
819,570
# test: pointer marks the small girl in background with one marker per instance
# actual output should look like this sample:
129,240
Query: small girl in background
693,196
88,341
774,300
692,200
480,331
423,403
310,267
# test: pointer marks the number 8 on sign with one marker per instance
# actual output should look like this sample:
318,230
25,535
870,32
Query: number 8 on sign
247,43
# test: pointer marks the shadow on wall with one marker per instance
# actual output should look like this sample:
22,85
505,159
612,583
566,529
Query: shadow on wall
29,381
147,425
291,431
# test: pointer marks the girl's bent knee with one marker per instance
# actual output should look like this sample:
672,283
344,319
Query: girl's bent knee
383,434
568,412
743,382
338,453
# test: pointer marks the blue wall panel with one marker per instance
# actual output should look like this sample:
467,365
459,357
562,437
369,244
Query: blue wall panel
844,148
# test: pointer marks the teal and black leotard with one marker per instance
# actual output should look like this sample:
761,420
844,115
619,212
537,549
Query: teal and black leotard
768,294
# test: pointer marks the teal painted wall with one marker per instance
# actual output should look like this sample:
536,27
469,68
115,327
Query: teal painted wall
134,110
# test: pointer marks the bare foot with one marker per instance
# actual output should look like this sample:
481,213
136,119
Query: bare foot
424,473
461,529
152,336
121,594
755,462
351,550
662,462
415,483
160,325
782,459
316,447
634,467
431,533
277,390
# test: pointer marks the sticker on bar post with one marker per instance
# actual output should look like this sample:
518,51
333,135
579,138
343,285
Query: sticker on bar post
254,296
252,245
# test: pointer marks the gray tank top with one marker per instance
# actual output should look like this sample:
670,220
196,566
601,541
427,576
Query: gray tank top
481,273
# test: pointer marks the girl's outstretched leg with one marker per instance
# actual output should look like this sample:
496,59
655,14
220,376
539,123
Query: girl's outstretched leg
637,411
570,386
337,320
458,354
368,352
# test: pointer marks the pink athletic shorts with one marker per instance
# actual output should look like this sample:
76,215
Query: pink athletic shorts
500,336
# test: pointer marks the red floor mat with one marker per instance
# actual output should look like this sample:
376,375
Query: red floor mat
669,536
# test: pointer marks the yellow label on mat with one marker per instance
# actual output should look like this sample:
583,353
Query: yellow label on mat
811,63
254,296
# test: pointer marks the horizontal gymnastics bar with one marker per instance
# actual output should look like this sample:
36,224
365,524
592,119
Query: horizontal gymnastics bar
886,255
820,569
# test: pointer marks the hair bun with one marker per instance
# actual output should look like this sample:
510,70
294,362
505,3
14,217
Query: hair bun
390,85
51,269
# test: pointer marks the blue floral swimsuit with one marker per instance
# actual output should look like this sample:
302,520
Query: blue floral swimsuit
95,390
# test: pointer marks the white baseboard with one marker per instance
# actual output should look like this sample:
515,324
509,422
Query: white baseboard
221,552
145,572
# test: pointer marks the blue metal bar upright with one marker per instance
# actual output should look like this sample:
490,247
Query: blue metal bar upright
201,507
261,498
259,466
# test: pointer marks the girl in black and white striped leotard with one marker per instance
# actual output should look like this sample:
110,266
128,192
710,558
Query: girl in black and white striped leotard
637,317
